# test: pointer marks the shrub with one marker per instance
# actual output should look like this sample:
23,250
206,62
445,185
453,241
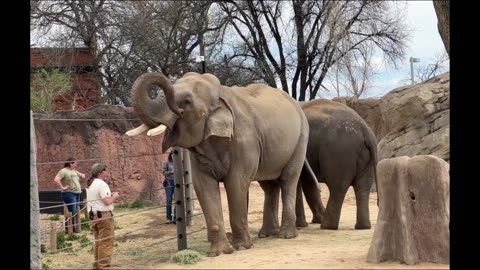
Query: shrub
137,204
45,86
62,242
54,217
187,256
84,224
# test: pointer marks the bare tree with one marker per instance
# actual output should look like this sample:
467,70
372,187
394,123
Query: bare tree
126,38
438,65
292,43
304,54
352,75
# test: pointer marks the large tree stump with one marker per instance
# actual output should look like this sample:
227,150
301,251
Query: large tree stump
414,211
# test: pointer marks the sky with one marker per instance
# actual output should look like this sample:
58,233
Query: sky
425,44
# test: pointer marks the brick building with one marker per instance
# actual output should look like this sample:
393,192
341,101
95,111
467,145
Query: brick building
77,61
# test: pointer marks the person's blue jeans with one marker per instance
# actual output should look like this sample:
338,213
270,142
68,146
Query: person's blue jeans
169,192
72,201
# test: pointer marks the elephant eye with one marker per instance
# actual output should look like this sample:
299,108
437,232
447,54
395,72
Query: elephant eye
187,101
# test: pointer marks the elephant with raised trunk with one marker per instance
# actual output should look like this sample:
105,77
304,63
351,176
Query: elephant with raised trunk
235,135
342,152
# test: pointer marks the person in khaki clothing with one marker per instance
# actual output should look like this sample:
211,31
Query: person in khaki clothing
100,205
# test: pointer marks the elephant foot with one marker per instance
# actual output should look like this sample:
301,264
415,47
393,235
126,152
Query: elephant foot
301,223
288,233
363,226
317,220
266,232
324,226
241,242
219,248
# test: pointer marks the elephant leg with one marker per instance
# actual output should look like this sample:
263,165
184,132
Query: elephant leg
299,208
288,193
313,197
331,218
288,182
362,197
270,209
208,193
237,189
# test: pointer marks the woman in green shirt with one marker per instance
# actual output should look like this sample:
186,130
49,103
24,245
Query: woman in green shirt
68,179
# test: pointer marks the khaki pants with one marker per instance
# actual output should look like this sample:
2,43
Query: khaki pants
103,249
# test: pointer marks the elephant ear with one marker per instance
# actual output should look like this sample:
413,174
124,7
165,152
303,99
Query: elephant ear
220,121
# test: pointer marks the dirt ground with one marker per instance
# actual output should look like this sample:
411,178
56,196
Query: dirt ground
142,242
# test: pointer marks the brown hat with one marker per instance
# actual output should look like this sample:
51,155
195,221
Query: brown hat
97,168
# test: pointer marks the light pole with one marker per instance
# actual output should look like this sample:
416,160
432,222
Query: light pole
413,60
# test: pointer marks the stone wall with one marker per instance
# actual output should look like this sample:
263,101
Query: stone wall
134,163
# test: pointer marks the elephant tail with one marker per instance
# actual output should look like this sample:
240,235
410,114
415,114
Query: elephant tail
310,171
371,143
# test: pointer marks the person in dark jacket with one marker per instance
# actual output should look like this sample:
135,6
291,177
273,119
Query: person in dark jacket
169,185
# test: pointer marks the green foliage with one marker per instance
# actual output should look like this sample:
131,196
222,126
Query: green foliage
45,86
84,224
62,242
43,248
123,205
187,256
84,240
46,264
72,238
54,217
137,204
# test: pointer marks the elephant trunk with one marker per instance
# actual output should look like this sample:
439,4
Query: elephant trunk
159,110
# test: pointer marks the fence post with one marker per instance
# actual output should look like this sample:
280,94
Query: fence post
85,211
68,218
179,199
35,250
188,187
78,226
53,238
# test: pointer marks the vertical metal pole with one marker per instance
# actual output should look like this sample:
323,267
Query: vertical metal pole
188,187
35,253
411,70
179,198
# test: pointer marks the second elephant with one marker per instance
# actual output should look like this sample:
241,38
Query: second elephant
342,152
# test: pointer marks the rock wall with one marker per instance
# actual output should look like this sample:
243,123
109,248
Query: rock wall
369,110
417,120
134,163
409,120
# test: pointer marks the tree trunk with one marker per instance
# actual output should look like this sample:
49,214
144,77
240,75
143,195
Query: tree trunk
442,9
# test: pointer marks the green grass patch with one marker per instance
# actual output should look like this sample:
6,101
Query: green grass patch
85,225
84,240
54,217
62,242
187,256
137,204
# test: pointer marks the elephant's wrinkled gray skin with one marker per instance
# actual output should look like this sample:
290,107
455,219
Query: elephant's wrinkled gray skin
342,152
235,135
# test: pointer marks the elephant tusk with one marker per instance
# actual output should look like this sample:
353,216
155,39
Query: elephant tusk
157,131
137,131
